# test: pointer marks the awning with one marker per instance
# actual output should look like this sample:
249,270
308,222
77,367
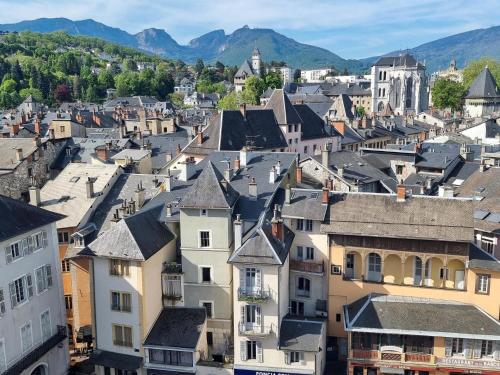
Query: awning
116,360
389,370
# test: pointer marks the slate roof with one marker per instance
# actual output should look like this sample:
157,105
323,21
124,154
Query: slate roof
303,335
177,327
230,131
487,185
136,237
115,360
480,259
245,70
421,317
8,146
305,204
350,89
484,86
342,107
419,217
207,191
313,126
283,109
19,217
401,60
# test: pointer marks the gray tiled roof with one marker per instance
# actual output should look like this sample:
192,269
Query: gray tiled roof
419,217
305,204
245,70
177,327
480,259
313,126
115,360
18,217
283,109
402,60
301,335
484,86
421,316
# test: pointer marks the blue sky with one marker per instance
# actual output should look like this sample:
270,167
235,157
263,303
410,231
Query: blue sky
352,29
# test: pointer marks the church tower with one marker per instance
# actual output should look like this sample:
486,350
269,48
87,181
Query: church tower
256,62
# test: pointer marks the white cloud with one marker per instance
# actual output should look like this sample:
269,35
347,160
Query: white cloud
346,27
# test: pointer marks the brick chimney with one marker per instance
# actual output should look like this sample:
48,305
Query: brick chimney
102,153
277,229
400,193
298,175
23,118
38,126
14,129
324,195
418,147
237,164
199,138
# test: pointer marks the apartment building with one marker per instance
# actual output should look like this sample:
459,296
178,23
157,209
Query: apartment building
76,193
315,75
32,315
409,255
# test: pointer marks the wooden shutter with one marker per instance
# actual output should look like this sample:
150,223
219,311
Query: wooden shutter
30,244
448,344
287,358
496,350
260,356
258,316
45,240
243,279
243,314
12,292
8,255
2,305
24,247
243,350
48,274
468,348
302,358
29,284
258,279
40,282
477,349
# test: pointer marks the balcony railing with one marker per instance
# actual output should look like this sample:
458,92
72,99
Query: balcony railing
21,362
172,290
391,356
172,268
418,357
253,295
248,329
365,354
303,266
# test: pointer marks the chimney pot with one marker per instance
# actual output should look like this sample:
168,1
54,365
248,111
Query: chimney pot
400,193
237,163
252,188
298,173
288,194
169,210
89,184
35,199
324,195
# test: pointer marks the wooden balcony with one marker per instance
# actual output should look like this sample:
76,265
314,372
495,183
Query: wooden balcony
310,267
419,357
365,354
390,356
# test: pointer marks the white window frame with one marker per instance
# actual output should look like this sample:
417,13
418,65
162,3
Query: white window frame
121,305
33,241
25,290
213,307
3,357
31,334
122,326
209,238
304,293
455,345
200,274
13,258
486,284
489,242
46,281
50,325
3,308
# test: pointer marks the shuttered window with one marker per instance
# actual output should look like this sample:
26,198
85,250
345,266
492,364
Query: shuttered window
3,362
2,304
43,277
26,337
20,290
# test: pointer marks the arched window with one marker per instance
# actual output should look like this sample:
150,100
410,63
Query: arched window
385,76
409,92
383,92
374,267
380,107
379,92
380,76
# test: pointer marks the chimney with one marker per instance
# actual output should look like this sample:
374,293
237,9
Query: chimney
325,157
340,172
400,193
364,122
89,185
324,195
238,231
35,199
23,118
168,210
52,134
187,168
178,149
140,195
237,164
37,141
38,126
418,147
252,188
330,184
19,154
243,110
14,129
277,225
278,168
168,181
228,173
298,175
168,156
272,175
102,153
199,138
245,156
466,153
288,194
224,183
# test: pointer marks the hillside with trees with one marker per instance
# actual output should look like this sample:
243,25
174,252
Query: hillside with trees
57,67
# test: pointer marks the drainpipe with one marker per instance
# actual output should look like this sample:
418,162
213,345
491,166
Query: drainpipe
94,325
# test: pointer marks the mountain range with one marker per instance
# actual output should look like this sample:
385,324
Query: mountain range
232,49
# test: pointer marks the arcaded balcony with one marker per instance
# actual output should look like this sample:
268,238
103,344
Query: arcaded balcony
404,268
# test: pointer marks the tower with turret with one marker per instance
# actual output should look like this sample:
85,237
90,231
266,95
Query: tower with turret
256,62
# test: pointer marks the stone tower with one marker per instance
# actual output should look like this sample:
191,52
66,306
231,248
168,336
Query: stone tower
256,62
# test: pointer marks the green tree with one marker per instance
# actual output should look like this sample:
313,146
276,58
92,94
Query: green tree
35,93
360,111
105,79
220,67
273,80
199,66
76,87
130,65
177,99
447,93
254,87
230,101
472,70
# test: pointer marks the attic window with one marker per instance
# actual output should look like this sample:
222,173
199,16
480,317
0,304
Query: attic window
314,195
74,179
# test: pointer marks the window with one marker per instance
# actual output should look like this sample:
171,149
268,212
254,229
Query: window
206,274
457,346
486,348
303,287
309,254
374,262
122,335
251,349
209,308
20,290
290,128
399,169
305,149
171,357
63,237
483,284
2,304
304,225
296,140
45,324
210,338
443,273
38,240
65,265
3,361
297,308
43,278
61,129
487,244
295,357
68,301
26,337
121,301
203,212
338,317
336,270
14,251
119,267
204,238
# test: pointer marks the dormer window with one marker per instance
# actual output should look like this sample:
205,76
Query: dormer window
203,212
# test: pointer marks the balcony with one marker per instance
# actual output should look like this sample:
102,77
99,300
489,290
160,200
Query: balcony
172,286
253,295
172,268
391,356
23,361
309,267
322,308
253,330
